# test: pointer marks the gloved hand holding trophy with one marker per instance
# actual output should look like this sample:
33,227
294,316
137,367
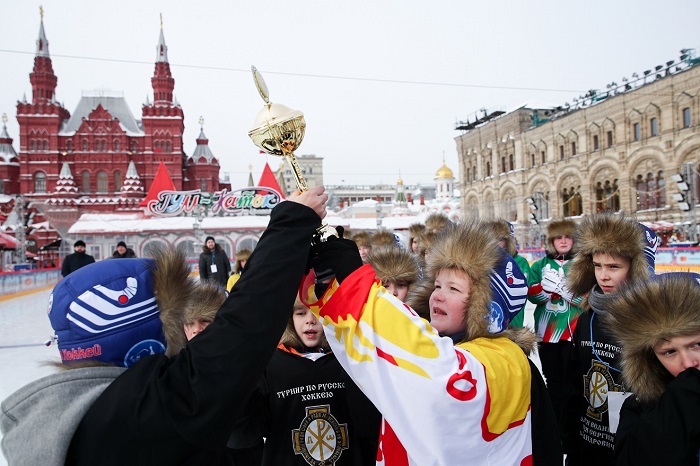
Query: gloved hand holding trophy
278,130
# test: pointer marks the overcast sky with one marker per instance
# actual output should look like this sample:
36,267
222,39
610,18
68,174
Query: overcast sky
381,83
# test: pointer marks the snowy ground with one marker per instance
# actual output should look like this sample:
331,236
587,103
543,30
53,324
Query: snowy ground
24,327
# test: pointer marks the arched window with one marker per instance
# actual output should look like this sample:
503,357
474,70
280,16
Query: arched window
86,182
488,169
167,146
116,145
469,173
84,144
203,185
102,182
117,180
532,159
607,196
503,164
511,162
40,182
641,186
572,202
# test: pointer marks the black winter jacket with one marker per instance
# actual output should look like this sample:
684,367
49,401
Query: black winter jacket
179,410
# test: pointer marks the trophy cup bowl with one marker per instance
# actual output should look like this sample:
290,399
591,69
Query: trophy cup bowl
279,130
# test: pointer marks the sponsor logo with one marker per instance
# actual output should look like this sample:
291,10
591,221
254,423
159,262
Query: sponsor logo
141,350
512,279
320,439
78,353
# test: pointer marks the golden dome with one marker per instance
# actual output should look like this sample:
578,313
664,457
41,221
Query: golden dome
444,172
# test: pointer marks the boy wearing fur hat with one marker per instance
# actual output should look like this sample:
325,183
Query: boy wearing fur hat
505,236
363,240
214,265
127,403
556,311
242,257
396,268
613,251
453,391
658,325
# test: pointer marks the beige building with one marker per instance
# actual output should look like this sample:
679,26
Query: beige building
311,169
614,150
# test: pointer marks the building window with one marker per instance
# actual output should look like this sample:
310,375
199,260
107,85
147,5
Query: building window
101,182
573,148
503,164
637,134
511,162
610,138
2,186
488,169
117,180
561,152
654,127
86,182
69,146
46,145
532,159
116,145
469,173
84,144
686,117
572,202
31,145
203,185
474,174
40,182
607,196
596,143
544,158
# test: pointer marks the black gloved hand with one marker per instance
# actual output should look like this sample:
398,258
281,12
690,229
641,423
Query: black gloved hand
336,256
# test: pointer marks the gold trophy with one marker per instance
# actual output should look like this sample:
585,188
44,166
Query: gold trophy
278,130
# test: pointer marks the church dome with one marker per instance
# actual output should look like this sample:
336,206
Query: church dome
444,172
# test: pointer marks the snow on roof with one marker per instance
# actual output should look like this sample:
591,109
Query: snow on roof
114,103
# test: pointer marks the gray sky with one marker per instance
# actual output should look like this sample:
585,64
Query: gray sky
381,83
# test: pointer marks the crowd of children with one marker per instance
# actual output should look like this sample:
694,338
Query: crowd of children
394,354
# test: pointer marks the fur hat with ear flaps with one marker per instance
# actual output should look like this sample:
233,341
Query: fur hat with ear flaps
498,287
645,314
391,263
383,238
502,231
558,228
612,234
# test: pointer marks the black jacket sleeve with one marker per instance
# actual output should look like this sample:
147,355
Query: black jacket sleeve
667,432
573,393
169,410
546,450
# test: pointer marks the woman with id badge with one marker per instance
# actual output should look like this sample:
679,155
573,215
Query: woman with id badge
214,265
658,326
614,251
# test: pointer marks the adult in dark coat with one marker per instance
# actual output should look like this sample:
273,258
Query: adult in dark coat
213,263
78,259
123,252
178,410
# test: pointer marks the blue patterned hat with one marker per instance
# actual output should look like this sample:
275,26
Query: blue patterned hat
509,288
107,312
651,244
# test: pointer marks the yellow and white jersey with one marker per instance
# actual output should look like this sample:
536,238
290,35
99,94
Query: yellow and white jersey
443,404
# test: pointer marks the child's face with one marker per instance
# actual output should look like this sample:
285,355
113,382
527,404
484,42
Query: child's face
679,353
563,244
610,271
448,302
307,326
397,288
192,329
415,245
364,250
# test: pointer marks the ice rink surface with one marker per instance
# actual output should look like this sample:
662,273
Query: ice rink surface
24,327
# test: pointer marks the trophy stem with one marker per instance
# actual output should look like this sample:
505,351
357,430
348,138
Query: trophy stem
296,171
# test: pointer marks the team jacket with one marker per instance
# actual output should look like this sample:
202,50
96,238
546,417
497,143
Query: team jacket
555,317
593,371
443,404
301,409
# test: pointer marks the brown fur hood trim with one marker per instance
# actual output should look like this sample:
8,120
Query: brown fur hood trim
611,234
393,263
180,298
501,231
649,312
361,238
471,248
557,228
415,229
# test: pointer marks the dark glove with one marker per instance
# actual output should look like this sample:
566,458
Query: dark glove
336,257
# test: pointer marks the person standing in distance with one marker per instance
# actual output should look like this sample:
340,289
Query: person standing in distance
214,265
78,259
123,252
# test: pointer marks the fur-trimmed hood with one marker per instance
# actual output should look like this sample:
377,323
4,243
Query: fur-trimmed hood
502,232
180,298
607,233
383,238
361,238
436,222
556,228
471,248
394,263
642,315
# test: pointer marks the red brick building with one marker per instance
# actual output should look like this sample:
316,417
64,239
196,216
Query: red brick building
100,158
